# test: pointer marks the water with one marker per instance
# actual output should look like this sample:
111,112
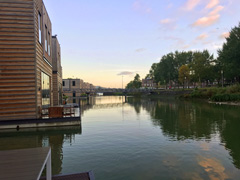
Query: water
141,139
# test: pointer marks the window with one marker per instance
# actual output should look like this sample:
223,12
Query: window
46,41
73,83
74,94
39,28
63,83
74,100
45,89
49,48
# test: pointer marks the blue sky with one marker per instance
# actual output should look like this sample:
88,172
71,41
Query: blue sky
100,40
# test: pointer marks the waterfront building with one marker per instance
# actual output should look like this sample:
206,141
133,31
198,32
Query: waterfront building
57,72
26,66
148,83
74,88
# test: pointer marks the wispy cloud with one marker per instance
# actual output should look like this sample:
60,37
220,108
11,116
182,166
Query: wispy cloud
206,21
140,50
212,3
224,35
139,6
166,21
123,73
191,4
216,10
210,19
202,36
167,24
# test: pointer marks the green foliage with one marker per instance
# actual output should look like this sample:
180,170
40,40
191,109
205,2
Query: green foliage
83,95
233,89
184,73
226,97
229,55
135,84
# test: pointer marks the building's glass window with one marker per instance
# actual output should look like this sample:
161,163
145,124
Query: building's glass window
49,47
46,41
63,83
46,91
73,83
39,28
74,94
74,100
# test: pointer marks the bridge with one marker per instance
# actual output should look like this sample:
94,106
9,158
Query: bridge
113,90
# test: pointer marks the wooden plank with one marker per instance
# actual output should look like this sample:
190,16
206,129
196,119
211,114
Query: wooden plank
22,164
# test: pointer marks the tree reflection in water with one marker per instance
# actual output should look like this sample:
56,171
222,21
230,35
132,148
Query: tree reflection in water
182,120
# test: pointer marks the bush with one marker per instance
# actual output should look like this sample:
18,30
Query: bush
226,97
233,89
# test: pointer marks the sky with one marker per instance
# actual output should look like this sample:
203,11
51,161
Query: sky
107,42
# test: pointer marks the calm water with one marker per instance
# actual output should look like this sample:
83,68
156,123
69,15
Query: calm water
143,139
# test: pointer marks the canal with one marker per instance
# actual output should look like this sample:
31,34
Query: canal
142,139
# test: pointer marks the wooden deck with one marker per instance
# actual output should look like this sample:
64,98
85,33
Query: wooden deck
25,164
80,176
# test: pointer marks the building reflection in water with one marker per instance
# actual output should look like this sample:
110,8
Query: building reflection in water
31,138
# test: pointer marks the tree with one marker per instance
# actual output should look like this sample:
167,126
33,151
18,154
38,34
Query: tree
201,66
183,74
229,55
135,84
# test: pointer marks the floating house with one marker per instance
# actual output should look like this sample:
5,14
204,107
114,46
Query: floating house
30,60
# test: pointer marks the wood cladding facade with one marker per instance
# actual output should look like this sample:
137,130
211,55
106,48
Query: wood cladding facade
23,58
57,72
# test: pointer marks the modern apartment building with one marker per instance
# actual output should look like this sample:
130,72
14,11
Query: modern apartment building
26,65
57,72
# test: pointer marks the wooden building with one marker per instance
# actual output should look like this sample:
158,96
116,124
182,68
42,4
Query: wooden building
26,81
57,72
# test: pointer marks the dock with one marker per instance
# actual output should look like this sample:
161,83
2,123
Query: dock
28,164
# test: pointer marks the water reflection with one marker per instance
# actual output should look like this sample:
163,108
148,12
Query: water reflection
142,138
181,120
42,137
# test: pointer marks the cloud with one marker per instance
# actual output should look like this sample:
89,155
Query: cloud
191,4
125,73
224,35
216,10
143,8
210,19
140,50
202,36
136,5
166,21
212,4
167,24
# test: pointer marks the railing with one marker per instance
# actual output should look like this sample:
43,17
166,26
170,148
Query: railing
58,112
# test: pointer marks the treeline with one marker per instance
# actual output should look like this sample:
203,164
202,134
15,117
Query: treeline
198,67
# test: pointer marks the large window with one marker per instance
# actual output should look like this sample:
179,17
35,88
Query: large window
73,83
46,91
39,28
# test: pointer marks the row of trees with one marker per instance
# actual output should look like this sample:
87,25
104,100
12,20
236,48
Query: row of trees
200,66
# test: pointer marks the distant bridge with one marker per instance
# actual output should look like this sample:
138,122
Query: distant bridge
113,90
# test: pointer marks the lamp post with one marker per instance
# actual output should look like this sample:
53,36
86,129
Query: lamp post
222,77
